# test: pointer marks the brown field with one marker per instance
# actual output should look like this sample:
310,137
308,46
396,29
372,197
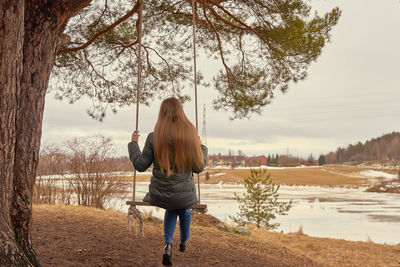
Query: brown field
81,236
321,176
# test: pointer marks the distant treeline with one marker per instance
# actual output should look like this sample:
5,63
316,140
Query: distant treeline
382,149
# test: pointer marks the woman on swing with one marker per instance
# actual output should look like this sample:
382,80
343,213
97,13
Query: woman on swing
176,152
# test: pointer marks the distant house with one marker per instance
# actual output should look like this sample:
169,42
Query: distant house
257,161
235,161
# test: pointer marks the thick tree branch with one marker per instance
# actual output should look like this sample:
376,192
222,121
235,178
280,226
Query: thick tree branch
74,6
69,9
97,35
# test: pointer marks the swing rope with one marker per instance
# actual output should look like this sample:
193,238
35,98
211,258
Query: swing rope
139,81
133,211
194,12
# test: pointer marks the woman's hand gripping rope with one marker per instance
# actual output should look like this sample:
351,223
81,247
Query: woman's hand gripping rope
135,136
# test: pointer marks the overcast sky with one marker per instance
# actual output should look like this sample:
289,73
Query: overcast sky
351,94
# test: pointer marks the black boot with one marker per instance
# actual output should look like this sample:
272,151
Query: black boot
167,255
182,246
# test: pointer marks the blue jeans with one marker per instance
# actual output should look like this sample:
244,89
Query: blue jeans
170,224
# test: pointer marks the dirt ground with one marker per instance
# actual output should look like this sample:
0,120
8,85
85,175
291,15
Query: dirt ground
79,236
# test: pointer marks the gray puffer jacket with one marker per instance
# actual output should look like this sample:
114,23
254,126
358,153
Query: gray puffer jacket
174,192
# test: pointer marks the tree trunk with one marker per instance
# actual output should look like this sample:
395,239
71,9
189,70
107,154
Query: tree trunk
11,43
29,39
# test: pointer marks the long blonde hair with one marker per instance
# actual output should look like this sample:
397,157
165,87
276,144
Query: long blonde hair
176,143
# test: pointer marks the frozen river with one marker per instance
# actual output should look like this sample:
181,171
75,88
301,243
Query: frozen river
344,213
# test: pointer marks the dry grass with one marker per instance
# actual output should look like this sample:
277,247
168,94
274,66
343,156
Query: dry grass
314,176
332,252
321,176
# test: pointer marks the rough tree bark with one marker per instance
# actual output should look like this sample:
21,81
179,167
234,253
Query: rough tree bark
11,42
30,35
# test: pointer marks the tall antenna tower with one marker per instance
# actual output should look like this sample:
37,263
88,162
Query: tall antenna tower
204,131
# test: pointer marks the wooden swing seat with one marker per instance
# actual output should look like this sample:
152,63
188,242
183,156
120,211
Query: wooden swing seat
198,207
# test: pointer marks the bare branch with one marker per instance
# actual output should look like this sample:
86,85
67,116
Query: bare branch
138,30
163,59
241,48
218,38
234,18
93,25
225,20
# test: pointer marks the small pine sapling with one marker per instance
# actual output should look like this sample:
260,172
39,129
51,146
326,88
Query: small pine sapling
207,176
259,205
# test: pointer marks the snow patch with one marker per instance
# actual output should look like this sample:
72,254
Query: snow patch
378,174
85,175
217,174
